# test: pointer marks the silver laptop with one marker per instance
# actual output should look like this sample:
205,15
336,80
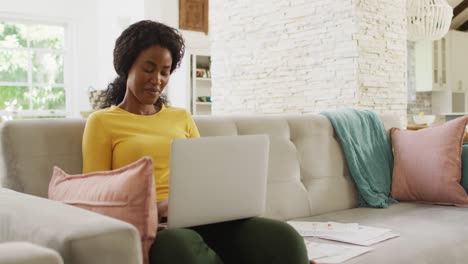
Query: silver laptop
217,179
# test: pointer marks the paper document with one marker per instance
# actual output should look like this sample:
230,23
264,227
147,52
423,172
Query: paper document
365,236
323,253
349,233
317,228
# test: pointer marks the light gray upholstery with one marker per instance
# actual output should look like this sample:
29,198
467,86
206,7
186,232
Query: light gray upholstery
80,236
30,149
307,170
308,178
429,234
27,253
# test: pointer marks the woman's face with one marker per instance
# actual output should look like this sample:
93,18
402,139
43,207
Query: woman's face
149,75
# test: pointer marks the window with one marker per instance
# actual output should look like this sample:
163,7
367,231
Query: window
32,81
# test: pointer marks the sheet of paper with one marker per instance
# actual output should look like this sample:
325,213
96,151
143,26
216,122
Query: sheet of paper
365,236
352,233
379,239
330,254
322,228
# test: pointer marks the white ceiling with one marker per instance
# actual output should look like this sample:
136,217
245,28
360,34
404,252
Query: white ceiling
461,18
454,3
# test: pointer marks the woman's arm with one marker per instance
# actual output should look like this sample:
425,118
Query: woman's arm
192,130
96,146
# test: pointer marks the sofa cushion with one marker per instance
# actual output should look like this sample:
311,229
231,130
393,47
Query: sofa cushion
307,172
78,235
27,253
127,194
427,166
429,234
30,148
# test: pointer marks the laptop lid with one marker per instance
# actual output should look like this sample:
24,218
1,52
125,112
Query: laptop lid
217,179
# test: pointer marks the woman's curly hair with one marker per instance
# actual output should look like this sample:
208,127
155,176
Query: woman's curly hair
133,40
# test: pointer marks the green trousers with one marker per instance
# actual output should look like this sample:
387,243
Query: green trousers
248,241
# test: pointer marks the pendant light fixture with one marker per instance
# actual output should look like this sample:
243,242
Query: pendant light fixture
428,19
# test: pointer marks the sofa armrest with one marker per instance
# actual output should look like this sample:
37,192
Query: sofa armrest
78,235
27,253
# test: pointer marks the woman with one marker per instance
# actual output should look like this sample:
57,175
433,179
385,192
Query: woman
136,121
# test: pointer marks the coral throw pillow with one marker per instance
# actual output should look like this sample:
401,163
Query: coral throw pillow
427,164
127,194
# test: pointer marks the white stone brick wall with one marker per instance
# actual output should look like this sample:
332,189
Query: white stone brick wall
382,55
285,56
411,73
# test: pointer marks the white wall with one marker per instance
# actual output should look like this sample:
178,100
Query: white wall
308,56
113,17
283,57
177,89
95,25
382,48
153,9
167,12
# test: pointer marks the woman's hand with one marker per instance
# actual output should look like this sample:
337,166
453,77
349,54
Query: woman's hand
162,208
162,212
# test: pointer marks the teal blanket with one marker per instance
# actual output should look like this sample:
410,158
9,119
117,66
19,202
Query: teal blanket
368,154
464,178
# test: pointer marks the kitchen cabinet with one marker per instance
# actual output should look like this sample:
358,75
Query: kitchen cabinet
459,61
441,67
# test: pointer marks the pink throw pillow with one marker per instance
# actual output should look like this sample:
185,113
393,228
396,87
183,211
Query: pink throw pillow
427,164
127,194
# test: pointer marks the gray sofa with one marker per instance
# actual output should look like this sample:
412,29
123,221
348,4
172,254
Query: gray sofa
308,179
27,253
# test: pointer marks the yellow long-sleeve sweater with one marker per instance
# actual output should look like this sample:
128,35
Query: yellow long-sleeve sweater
114,138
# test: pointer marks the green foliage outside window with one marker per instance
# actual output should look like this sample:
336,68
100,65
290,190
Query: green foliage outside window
31,66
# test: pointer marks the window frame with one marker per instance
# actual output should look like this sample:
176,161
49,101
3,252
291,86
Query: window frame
66,52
